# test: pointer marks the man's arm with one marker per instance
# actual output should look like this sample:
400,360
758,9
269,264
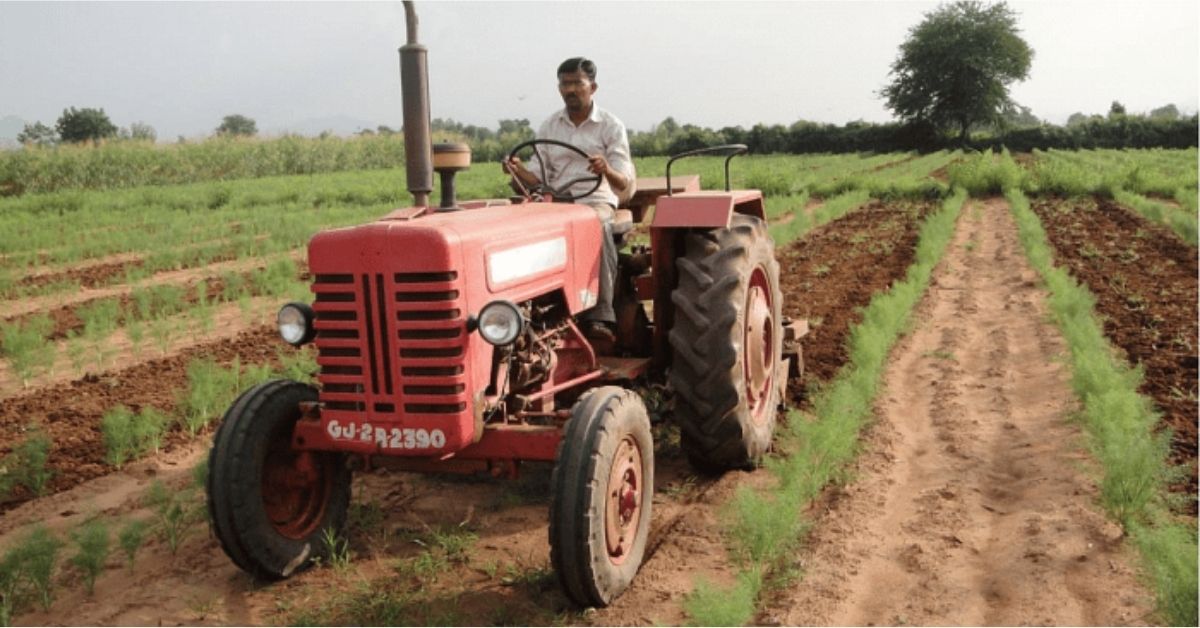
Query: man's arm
617,180
616,165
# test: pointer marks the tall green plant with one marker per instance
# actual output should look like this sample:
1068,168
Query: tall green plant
26,347
27,465
131,537
91,550
129,435
210,389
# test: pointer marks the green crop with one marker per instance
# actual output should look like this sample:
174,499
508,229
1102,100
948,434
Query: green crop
175,512
131,537
92,547
129,435
26,465
26,347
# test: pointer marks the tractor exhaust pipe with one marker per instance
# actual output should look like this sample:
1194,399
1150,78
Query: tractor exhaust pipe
414,91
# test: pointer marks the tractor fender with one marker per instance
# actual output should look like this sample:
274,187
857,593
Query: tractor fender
706,209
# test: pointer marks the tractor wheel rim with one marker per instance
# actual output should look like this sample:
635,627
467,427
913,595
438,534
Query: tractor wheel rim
623,500
295,491
759,345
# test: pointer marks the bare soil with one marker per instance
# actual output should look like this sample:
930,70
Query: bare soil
836,268
1145,281
972,502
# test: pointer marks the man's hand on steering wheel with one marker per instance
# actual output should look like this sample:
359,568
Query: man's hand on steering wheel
512,164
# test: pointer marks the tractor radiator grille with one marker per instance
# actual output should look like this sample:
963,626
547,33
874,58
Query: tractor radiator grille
391,341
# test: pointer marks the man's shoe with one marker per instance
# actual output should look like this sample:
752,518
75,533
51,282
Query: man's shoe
599,332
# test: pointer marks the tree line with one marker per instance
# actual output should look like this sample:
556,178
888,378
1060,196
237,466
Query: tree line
87,124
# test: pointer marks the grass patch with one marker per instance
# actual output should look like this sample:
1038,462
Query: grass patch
766,526
1121,424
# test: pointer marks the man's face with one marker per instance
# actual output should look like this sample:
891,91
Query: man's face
576,90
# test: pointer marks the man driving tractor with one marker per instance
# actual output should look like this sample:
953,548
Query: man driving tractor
602,136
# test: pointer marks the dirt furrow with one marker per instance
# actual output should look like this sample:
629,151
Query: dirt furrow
974,505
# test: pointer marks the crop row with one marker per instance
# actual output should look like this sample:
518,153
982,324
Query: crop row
1086,173
131,164
162,314
32,568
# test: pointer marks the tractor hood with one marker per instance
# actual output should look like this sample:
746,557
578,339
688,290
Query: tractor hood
514,252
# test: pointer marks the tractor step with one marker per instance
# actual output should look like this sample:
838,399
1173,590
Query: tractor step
618,369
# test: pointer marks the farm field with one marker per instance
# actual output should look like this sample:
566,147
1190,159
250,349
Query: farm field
132,317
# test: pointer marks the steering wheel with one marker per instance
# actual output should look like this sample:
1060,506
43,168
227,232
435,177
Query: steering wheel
562,192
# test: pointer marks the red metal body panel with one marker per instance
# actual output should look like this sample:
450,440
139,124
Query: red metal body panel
400,375
706,209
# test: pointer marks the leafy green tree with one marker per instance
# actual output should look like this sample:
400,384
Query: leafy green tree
1166,112
1116,109
955,68
1019,116
142,131
39,134
237,124
83,125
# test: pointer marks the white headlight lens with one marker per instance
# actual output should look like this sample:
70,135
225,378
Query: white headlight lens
294,324
500,322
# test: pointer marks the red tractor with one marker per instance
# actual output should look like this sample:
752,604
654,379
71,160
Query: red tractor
448,341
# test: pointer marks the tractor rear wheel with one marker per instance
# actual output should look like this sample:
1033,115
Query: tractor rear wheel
271,505
601,490
727,340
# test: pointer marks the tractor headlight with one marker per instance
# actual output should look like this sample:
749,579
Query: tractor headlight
500,322
295,322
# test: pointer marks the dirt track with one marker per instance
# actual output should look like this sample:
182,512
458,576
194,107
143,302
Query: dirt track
972,503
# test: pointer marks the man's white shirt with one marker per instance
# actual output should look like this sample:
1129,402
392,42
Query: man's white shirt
600,134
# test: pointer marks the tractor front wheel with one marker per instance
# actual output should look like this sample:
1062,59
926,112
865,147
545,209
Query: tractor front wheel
602,487
727,341
271,505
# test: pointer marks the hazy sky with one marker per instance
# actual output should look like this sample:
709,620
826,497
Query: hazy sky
182,66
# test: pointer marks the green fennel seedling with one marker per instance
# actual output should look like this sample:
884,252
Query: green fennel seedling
40,555
174,511
92,547
131,537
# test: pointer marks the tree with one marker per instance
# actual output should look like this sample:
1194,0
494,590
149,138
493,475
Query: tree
237,124
82,125
1116,109
1077,119
142,131
955,68
1166,112
39,134
1019,116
